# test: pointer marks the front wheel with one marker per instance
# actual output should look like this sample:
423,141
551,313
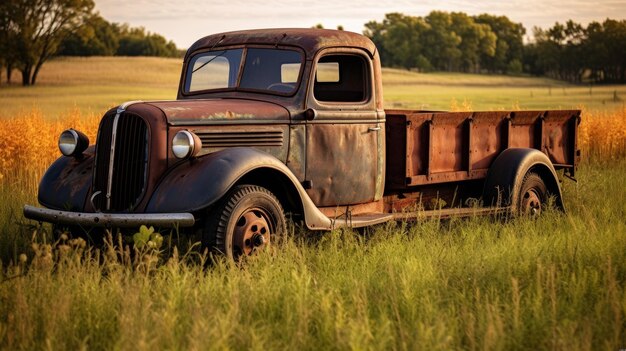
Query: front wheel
245,221
533,195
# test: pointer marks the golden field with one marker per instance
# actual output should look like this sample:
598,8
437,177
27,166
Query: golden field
28,142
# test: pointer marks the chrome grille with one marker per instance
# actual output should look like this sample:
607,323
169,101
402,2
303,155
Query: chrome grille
217,138
125,182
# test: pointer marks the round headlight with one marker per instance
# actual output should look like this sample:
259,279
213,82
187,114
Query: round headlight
72,142
185,144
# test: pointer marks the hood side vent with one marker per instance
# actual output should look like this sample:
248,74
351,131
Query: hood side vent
257,138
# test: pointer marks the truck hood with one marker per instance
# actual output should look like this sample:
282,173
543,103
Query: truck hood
208,110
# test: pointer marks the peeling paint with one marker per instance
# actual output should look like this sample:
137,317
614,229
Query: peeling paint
297,150
227,115
310,40
221,109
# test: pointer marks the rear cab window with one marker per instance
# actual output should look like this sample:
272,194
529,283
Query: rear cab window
341,78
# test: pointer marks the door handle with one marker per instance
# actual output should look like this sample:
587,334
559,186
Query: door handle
373,129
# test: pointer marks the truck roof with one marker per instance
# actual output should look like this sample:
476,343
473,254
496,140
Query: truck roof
309,39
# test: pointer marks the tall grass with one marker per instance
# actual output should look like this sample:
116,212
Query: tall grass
554,283
603,135
28,142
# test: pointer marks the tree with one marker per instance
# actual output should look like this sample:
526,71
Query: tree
37,27
595,50
509,44
377,33
398,38
4,31
102,38
614,40
477,40
441,42
99,38
571,52
7,55
138,42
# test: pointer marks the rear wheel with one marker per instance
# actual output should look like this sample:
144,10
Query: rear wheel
248,219
533,195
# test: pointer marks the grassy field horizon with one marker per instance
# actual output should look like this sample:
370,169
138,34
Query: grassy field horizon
94,84
481,283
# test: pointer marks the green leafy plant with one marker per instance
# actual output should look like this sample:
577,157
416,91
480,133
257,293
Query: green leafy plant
147,237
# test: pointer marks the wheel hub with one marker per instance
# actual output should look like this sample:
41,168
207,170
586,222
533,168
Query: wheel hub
531,203
252,232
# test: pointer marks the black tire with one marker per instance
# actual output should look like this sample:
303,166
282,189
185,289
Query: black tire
246,220
533,195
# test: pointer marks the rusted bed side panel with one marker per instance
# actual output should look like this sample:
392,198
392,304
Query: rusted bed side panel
560,137
438,147
448,143
488,138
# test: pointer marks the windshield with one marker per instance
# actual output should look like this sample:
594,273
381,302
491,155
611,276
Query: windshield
274,70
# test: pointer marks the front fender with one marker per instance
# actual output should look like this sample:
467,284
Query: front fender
66,183
198,183
505,176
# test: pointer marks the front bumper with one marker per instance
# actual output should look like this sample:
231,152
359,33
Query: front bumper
109,220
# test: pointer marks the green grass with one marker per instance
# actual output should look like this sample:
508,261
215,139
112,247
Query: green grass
96,84
554,283
440,91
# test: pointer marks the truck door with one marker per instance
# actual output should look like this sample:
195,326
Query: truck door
343,140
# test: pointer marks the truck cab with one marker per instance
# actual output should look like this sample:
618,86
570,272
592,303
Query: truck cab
291,121
327,81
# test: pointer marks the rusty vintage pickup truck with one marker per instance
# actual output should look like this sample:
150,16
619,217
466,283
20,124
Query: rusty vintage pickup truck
278,123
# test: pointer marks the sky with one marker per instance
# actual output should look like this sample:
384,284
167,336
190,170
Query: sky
185,21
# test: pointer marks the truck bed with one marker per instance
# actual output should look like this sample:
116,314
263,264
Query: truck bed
438,147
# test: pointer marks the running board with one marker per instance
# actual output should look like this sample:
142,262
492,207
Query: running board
368,219
363,220
449,213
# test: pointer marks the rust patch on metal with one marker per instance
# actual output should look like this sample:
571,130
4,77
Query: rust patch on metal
66,183
447,142
309,40
270,139
182,111
428,148
297,150
487,140
341,163
353,210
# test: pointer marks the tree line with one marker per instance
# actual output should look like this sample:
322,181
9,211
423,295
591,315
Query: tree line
33,31
443,41
102,38
572,52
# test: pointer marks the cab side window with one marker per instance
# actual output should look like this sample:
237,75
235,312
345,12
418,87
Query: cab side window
341,78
